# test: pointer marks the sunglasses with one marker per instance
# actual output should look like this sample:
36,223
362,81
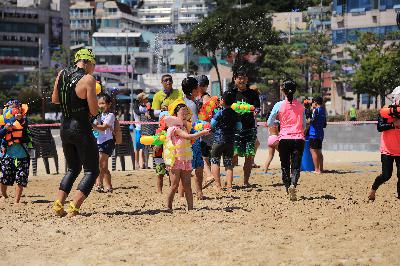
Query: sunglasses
166,80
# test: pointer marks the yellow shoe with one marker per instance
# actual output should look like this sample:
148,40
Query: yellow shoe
72,209
58,208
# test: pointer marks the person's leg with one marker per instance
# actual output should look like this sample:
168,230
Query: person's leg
181,190
187,185
100,178
387,170
215,163
21,176
228,164
284,156
7,177
90,160
256,146
136,145
142,159
106,173
3,189
397,158
247,167
205,152
315,158
18,193
297,156
199,182
321,160
160,180
174,176
271,153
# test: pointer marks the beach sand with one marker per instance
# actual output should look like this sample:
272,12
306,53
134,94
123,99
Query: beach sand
330,224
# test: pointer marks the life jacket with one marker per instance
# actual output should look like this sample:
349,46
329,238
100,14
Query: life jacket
16,135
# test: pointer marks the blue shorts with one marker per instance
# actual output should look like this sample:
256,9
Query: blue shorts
197,160
136,141
107,147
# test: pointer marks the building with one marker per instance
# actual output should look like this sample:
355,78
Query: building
114,50
82,23
319,18
30,31
289,22
352,16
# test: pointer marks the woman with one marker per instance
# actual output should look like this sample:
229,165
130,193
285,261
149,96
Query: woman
290,114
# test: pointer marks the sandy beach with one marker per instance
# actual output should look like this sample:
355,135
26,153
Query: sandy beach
330,224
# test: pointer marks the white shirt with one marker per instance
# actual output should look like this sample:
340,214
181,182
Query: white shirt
109,119
192,106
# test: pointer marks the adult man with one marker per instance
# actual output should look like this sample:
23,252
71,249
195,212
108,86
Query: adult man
353,113
246,138
163,98
75,92
140,110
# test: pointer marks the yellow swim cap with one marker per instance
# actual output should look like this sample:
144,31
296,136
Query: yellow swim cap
85,54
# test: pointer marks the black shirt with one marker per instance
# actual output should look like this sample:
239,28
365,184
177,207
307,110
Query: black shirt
251,97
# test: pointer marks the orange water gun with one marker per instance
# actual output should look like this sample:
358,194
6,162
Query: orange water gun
206,111
390,112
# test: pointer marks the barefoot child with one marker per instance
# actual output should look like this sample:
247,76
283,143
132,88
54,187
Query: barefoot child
225,124
273,143
178,153
16,160
316,133
105,142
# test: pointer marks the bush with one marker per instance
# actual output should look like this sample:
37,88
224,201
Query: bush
367,115
336,118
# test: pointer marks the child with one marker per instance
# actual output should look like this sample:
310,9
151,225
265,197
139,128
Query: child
273,142
178,153
190,89
105,142
225,123
390,148
316,133
16,160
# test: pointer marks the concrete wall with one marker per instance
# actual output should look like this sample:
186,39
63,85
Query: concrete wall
362,137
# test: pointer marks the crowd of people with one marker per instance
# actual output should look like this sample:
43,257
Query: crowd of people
88,137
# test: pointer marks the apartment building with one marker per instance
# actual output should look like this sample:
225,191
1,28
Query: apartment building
30,31
352,16
82,22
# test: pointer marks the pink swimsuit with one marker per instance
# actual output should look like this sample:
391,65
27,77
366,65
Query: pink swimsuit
182,150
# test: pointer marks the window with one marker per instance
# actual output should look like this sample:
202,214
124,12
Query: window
374,19
21,27
19,51
99,5
355,4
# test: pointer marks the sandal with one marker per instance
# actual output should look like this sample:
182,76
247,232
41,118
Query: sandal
99,189
58,208
72,209
108,190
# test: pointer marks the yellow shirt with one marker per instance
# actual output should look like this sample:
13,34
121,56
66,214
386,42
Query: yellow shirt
162,101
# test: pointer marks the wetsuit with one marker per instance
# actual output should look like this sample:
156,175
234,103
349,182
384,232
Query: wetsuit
78,142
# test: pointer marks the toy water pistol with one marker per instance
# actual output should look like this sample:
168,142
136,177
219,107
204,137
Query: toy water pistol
201,125
390,112
206,111
243,107
157,140
8,116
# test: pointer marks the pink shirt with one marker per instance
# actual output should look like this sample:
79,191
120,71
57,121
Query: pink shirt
291,118
390,142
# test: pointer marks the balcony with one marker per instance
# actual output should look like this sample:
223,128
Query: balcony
201,10
81,16
81,27
119,50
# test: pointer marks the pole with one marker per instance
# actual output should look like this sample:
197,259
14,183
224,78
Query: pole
133,64
40,80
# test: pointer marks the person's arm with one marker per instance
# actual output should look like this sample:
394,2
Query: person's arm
274,113
54,97
156,105
183,134
304,121
384,125
108,123
89,84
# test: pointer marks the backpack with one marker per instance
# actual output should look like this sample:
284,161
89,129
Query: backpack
117,133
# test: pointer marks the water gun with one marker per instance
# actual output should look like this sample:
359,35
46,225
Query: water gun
243,107
206,111
98,87
8,116
390,112
201,125
157,140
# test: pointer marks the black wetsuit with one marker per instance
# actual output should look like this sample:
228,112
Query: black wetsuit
78,142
